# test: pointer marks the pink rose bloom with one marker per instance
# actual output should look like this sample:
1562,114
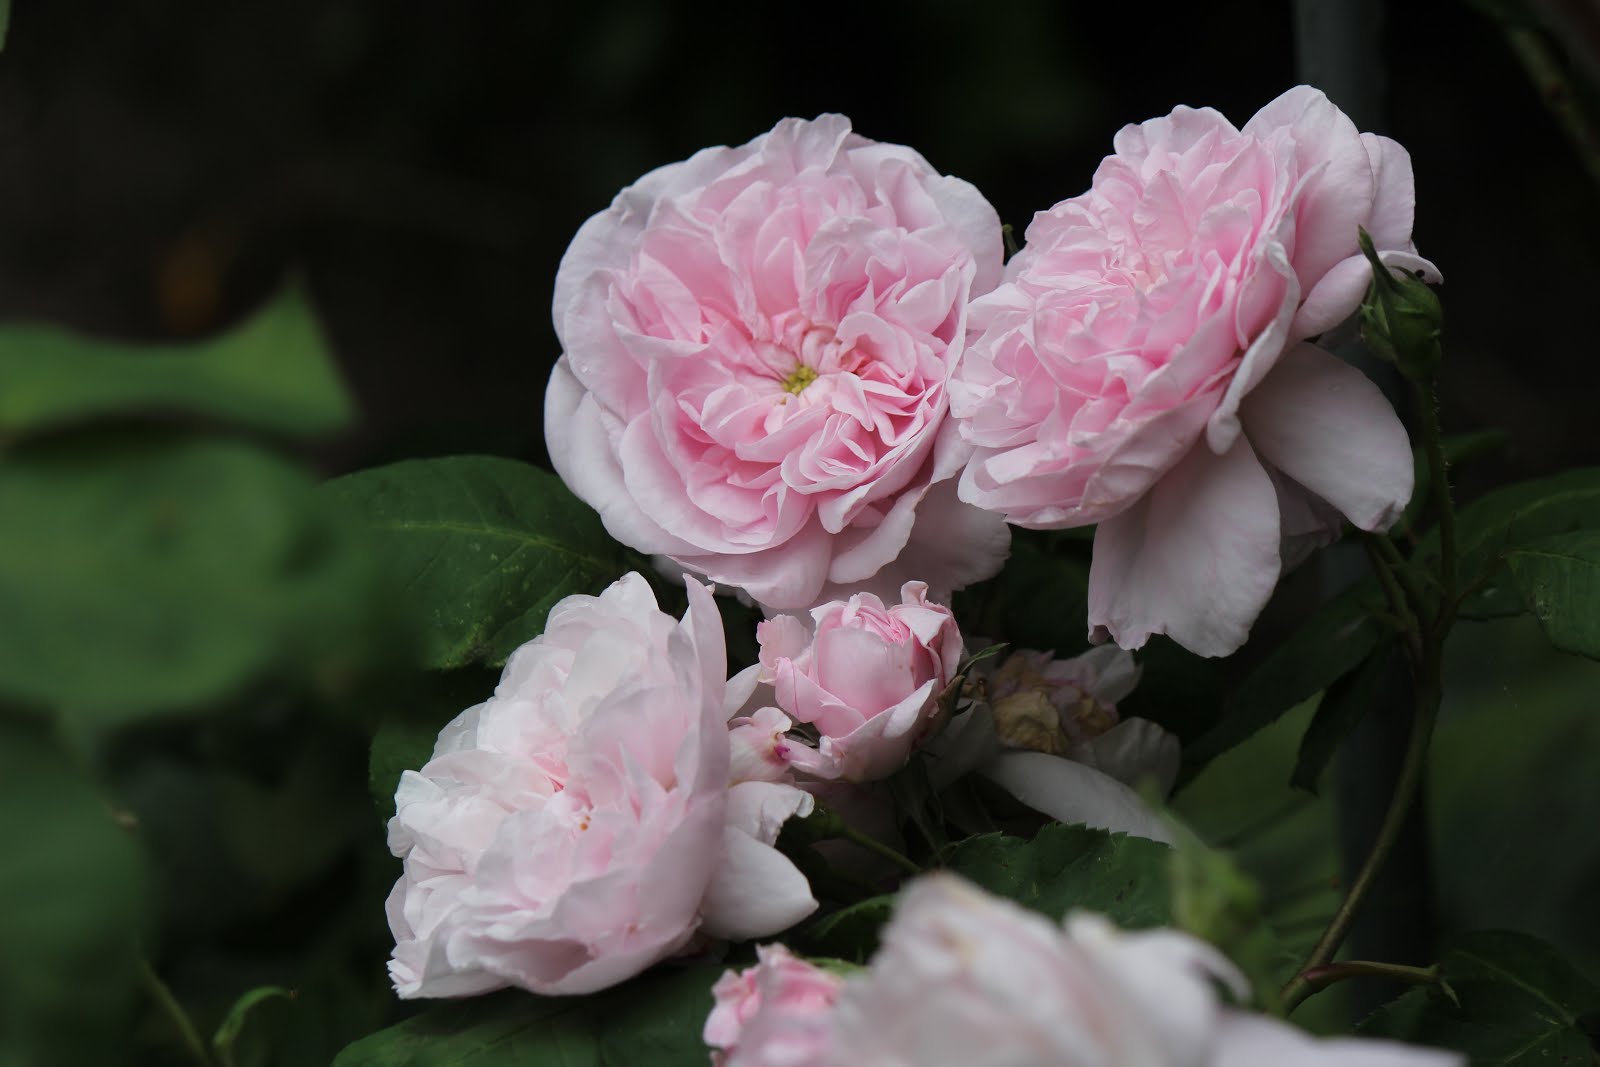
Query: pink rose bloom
965,978
775,1014
1146,365
578,826
866,676
757,346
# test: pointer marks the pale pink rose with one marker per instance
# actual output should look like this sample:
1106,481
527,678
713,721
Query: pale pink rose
775,1014
865,675
757,344
579,826
1146,365
965,978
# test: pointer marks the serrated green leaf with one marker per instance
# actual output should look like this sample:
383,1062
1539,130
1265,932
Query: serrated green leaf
272,372
1322,650
484,547
1512,1002
146,575
1559,578
72,893
1066,867
1377,683
656,1019
1511,516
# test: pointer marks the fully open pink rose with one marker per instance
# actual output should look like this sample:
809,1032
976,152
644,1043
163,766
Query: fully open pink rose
865,675
966,978
757,343
1146,364
775,1014
579,826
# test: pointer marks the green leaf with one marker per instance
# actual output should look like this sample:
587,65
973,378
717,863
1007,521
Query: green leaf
272,372
851,933
1560,582
144,575
485,547
1511,516
72,892
656,1019
405,737
1512,1001
1066,867
1375,683
5,21
1039,601
1322,650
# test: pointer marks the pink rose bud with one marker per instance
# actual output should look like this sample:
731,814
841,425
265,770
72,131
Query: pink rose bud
1147,366
757,344
775,1014
578,826
867,677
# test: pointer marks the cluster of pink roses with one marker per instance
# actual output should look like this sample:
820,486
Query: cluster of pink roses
798,368
964,978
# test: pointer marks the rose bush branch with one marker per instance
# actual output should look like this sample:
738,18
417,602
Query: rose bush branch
1401,324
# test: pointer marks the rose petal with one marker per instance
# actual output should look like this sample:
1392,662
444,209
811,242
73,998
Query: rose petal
1196,558
1325,425
1074,793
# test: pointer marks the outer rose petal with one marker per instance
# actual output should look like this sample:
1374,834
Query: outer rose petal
582,457
1257,1041
1196,558
1325,425
1340,292
755,891
1072,792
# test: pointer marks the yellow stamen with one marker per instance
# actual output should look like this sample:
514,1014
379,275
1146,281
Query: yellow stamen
798,379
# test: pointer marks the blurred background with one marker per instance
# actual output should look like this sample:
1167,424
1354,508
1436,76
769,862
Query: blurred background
167,165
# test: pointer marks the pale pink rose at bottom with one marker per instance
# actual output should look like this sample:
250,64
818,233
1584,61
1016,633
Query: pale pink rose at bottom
966,978
775,1014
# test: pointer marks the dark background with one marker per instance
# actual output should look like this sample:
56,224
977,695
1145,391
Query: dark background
166,164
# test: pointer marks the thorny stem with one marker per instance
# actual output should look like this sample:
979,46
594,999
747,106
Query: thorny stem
181,1023
1405,793
1426,642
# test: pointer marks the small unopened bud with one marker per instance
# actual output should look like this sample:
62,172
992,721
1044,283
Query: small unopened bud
1401,318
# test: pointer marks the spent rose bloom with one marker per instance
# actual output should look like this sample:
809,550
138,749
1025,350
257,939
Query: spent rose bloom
578,826
964,978
1146,365
775,1014
1048,732
865,675
757,345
